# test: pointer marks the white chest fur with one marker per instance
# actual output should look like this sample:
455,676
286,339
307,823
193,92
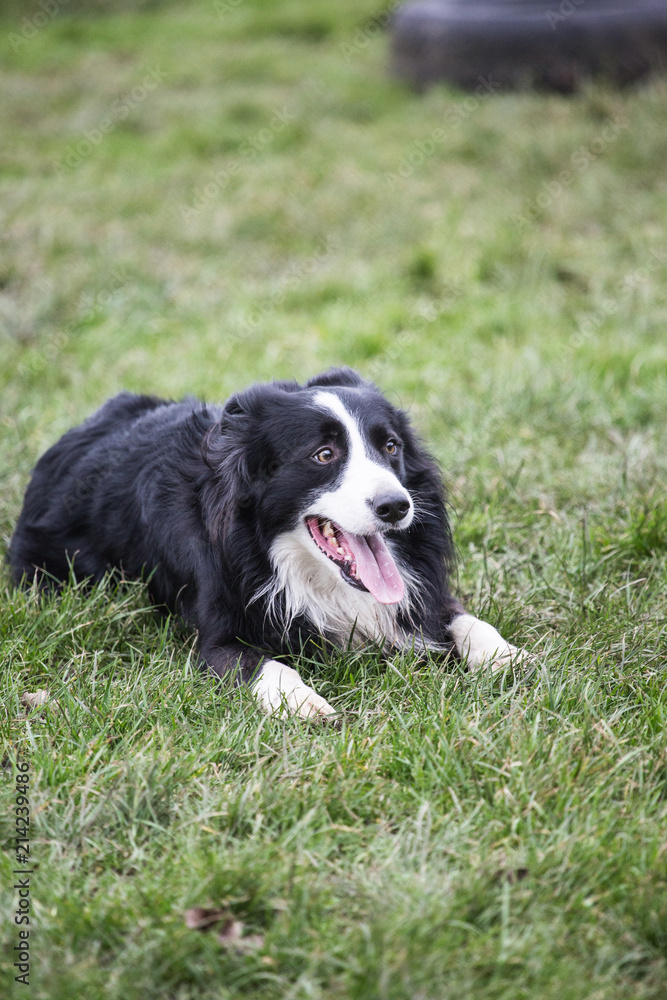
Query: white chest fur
309,587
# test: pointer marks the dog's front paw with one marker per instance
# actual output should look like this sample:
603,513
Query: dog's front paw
309,705
506,656
480,645
280,691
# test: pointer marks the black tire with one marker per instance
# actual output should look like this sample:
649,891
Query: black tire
556,44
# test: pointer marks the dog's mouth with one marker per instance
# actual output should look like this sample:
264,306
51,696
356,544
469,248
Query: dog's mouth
365,561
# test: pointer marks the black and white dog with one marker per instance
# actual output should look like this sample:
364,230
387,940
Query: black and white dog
288,515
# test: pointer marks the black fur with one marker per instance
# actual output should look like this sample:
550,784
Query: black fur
192,495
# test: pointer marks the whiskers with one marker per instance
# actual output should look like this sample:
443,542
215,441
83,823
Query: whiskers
421,513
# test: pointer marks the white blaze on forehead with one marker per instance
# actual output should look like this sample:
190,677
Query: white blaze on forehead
329,401
363,481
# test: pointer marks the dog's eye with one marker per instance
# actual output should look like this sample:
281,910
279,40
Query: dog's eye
391,447
324,455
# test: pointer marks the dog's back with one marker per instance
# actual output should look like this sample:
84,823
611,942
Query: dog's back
56,511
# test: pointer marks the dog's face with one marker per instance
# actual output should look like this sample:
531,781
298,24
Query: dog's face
360,496
324,468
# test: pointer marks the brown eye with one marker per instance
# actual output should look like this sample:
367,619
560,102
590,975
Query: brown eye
391,447
324,455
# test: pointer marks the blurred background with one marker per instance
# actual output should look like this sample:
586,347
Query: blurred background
198,195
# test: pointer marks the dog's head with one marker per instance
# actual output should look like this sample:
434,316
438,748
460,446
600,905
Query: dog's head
332,466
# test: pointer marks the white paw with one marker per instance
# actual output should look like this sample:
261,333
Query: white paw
280,691
481,645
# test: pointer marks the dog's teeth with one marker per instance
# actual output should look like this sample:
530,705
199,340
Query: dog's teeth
339,548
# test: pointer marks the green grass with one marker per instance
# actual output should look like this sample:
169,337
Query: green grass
277,204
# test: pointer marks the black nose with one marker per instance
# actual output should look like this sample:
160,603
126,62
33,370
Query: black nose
392,508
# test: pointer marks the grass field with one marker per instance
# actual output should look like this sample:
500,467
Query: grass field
194,196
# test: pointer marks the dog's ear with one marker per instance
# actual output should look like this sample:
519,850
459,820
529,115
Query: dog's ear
224,449
235,406
422,472
423,479
426,547
336,376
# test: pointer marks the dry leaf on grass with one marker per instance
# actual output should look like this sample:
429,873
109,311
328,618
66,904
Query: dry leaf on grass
230,935
34,699
200,919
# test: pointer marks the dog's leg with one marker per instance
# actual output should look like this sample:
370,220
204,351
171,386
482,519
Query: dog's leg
280,691
277,687
481,645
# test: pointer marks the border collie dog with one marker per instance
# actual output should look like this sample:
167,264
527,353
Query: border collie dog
290,515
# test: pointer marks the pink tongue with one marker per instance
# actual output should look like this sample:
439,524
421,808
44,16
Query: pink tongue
375,567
